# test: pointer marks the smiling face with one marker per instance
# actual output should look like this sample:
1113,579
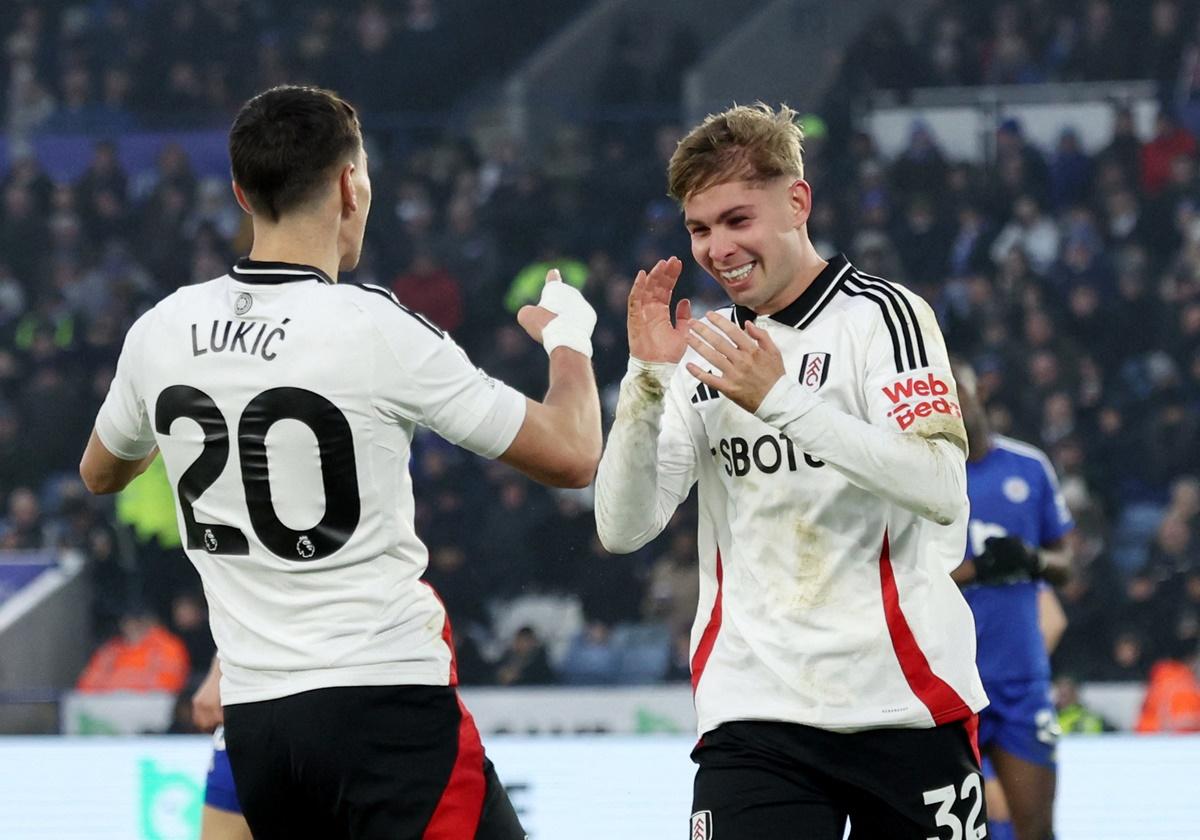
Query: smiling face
750,237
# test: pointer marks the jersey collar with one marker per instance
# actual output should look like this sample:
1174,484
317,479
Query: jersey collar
261,272
803,310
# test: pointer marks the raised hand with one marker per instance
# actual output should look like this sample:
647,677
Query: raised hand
533,319
562,317
748,362
652,337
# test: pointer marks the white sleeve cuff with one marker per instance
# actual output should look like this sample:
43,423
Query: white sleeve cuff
496,431
785,402
119,444
661,371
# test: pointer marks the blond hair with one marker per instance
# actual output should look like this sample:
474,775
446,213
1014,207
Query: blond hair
745,143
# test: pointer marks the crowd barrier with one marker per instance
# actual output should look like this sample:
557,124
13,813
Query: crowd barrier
571,787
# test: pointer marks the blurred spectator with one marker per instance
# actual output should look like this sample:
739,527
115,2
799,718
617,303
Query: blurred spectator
951,50
24,236
431,290
1031,231
1170,140
1073,717
145,656
1102,51
23,528
1020,167
673,586
881,57
971,243
189,623
1070,171
679,667
1124,149
1129,660
591,658
1163,50
459,585
1172,701
921,166
923,244
1010,59
525,661
469,663
147,508
506,544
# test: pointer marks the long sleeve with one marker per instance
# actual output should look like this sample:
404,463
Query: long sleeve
649,464
926,475
911,448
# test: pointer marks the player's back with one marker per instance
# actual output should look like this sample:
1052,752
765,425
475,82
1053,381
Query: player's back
284,406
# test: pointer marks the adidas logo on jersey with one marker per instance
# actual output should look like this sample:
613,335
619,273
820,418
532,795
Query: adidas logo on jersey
703,393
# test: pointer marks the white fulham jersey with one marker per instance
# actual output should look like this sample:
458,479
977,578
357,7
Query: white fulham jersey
284,405
828,526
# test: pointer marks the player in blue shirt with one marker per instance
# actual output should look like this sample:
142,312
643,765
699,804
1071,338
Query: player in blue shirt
1014,547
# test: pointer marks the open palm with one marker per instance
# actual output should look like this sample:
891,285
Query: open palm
652,336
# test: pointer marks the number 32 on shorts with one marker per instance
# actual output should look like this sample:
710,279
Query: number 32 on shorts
946,797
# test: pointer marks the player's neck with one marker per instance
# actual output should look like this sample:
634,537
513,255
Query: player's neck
810,266
299,243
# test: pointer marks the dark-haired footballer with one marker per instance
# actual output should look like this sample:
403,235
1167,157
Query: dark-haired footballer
284,405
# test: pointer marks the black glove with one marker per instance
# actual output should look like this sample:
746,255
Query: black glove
1006,559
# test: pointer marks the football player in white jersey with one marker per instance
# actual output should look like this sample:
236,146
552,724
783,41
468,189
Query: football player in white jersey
284,405
832,655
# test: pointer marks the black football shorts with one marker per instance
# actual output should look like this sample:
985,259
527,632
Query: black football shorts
366,762
785,781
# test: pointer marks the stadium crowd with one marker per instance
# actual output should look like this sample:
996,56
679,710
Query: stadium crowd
1071,280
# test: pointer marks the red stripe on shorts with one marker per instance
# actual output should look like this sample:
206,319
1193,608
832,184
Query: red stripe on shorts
457,814
943,702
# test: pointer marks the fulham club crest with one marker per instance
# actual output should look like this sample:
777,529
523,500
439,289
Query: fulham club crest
702,825
814,370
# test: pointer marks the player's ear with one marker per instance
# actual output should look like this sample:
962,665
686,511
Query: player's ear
241,197
348,190
800,201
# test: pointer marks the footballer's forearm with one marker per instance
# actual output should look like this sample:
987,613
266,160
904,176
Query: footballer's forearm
630,508
559,440
103,472
573,395
926,475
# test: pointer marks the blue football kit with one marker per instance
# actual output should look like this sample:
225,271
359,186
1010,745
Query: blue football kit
1014,493
218,790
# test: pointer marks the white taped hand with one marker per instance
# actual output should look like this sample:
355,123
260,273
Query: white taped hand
574,322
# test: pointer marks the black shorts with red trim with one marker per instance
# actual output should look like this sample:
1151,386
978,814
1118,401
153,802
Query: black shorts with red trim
391,762
761,779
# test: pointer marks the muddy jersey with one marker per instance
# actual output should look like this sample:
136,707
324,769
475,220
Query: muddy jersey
284,406
828,529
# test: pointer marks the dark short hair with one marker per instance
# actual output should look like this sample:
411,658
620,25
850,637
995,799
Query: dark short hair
286,140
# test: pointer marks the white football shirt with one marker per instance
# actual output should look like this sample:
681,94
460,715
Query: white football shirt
826,536
284,405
